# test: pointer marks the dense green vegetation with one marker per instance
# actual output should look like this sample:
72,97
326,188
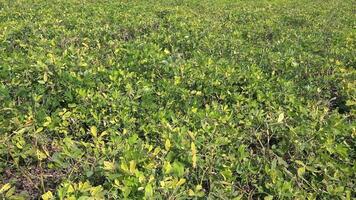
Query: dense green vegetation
177,99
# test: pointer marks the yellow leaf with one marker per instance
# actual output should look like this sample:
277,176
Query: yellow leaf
191,135
132,166
117,183
47,196
40,155
191,192
301,171
5,187
238,197
70,189
84,186
156,151
280,118
124,167
151,178
269,197
45,77
181,182
103,134
110,166
167,145
94,131
299,162
48,121
194,154
166,51
198,187
177,80
97,192
167,167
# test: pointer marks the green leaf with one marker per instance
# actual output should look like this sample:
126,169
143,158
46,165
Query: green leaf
148,191
126,191
178,168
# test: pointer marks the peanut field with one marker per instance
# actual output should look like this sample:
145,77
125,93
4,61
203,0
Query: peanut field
177,99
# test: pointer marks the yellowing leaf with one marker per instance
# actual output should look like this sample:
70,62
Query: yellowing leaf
191,135
70,189
40,155
47,196
97,192
5,187
167,167
124,167
238,197
48,121
191,193
167,145
194,154
198,187
156,151
301,171
177,80
45,77
181,182
84,186
94,131
110,166
132,166
166,51
280,118
193,148
10,192
117,183
103,134
269,197
299,162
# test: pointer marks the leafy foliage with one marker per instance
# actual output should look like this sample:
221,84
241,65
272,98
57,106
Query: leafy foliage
177,99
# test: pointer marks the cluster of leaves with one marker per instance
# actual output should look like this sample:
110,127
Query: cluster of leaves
177,99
